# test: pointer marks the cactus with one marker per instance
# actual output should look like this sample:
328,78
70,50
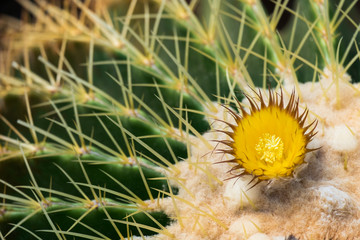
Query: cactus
107,112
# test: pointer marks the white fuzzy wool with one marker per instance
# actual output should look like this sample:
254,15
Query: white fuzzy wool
244,227
340,138
239,194
259,236
334,203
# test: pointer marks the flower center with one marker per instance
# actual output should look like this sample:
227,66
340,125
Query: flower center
270,148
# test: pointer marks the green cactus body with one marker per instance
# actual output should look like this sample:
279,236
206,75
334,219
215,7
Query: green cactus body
66,214
107,112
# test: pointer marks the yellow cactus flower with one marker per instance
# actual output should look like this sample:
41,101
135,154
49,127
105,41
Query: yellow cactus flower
271,141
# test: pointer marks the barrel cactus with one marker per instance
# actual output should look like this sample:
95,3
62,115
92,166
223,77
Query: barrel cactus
159,119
